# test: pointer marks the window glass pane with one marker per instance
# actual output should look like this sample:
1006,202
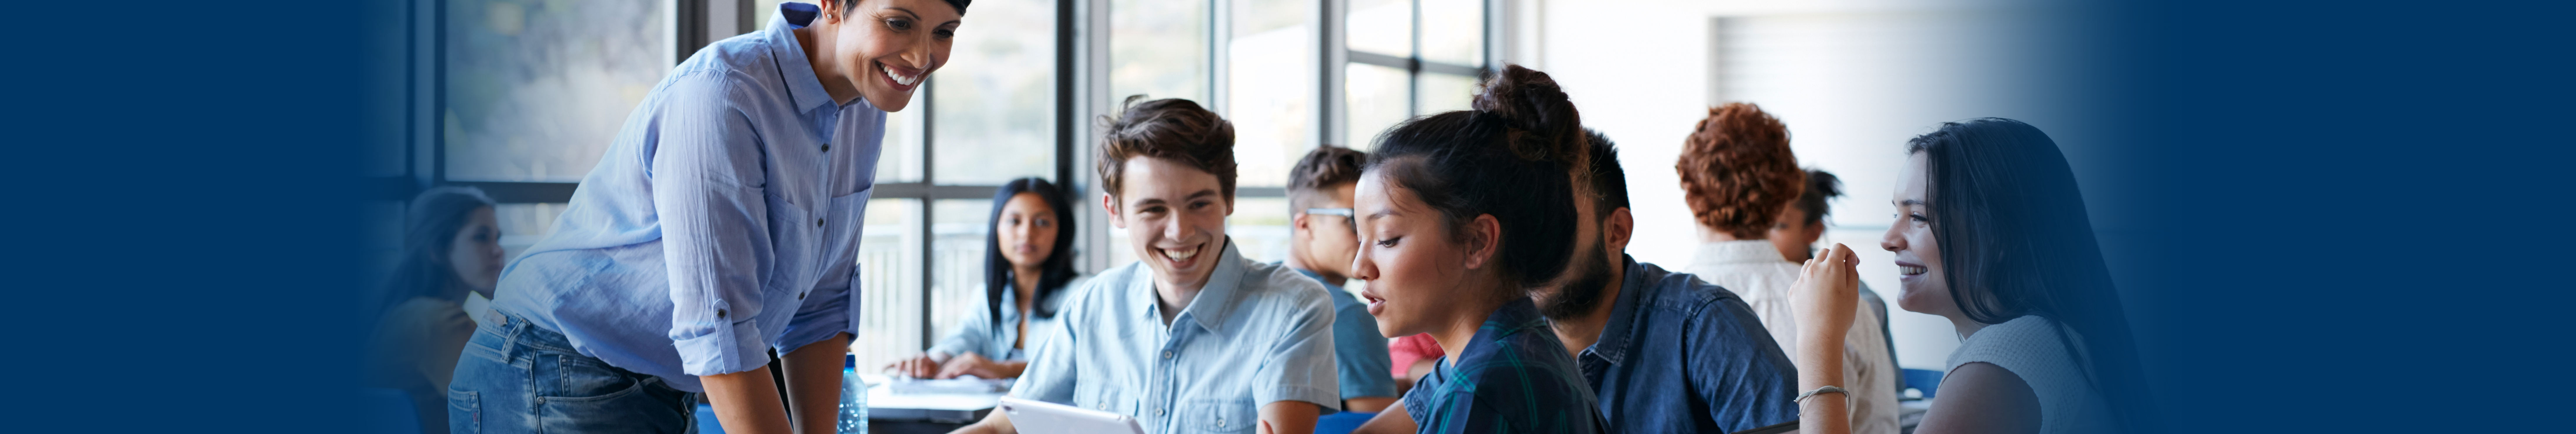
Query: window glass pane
957,234
535,90
1444,92
889,283
1381,26
1270,88
1453,31
1259,227
900,159
996,97
1158,48
1378,98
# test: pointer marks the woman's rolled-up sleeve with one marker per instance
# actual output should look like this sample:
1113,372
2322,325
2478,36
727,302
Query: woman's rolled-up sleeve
707,185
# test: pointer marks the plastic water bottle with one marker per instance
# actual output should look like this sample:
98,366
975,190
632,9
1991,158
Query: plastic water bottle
854,399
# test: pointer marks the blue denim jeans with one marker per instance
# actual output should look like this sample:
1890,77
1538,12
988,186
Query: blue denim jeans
517,378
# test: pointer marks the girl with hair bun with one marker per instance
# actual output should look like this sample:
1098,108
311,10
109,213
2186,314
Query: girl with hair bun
1459,213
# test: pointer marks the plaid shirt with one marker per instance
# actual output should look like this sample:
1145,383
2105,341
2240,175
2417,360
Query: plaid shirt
1513,377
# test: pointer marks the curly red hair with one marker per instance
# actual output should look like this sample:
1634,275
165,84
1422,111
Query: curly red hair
1737,171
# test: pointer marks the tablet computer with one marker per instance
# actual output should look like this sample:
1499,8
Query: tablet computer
1040,417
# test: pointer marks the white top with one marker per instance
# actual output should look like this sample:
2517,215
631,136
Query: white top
2029,346
1755,271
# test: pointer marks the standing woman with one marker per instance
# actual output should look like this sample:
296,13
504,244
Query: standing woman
451,247
1991,233
722,223
1459,214
1025,277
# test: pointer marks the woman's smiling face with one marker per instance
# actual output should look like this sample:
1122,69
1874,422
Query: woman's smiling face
1415,267
888,47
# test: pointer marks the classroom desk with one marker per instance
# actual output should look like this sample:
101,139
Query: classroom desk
891,413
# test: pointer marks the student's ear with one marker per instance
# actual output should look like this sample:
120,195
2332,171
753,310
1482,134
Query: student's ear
1304,230
1619,228
1109,203
1481,238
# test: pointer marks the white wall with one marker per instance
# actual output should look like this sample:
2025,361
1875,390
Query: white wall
1852,80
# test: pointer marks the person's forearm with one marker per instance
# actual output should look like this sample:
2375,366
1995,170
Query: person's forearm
1820,364
814,384
1392,421
746,402
1289,417
1010,368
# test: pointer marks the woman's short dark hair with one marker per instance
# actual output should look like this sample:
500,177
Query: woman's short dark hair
2015,240
429,232
1512,157
847,5
1822,187
1054,273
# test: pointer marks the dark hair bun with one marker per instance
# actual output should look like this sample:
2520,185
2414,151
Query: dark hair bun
1543,121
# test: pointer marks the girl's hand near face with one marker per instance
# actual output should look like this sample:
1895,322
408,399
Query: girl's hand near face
1826,295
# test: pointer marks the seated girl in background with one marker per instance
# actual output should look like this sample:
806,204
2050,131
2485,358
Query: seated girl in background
1458,212
451,248
1024,280
1991,233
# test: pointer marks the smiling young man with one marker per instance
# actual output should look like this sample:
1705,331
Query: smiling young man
723,223
1666,352
1191,337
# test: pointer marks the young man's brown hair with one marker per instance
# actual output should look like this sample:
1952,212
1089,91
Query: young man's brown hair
1319,171
1172,129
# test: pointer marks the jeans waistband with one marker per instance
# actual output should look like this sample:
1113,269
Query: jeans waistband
517,331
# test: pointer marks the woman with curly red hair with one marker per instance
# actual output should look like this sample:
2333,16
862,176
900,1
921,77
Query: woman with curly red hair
1737,174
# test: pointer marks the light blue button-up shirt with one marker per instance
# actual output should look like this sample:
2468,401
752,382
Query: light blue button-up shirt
1358,347
995,340
723,221
1256,334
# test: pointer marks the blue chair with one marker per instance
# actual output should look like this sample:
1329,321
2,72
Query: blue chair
388,411
707,420
1925,380
1341,423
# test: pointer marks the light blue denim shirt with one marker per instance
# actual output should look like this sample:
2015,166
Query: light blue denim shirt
1358,347
1256,334
723,220
979,334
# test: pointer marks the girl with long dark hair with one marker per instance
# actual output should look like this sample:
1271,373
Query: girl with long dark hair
1028,265
1991,233
1459,214
451,247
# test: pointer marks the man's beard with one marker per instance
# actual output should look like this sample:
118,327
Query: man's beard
1580,295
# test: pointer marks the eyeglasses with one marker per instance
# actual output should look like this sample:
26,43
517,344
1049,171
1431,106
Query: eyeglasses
1346,214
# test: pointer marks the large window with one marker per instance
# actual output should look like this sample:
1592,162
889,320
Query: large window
1410,58
521,97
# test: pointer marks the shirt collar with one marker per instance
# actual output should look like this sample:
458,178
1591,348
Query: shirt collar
1216,297
1613,345
802,85
1739,252
1508,320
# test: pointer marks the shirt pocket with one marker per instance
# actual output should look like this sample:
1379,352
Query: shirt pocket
1217,416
